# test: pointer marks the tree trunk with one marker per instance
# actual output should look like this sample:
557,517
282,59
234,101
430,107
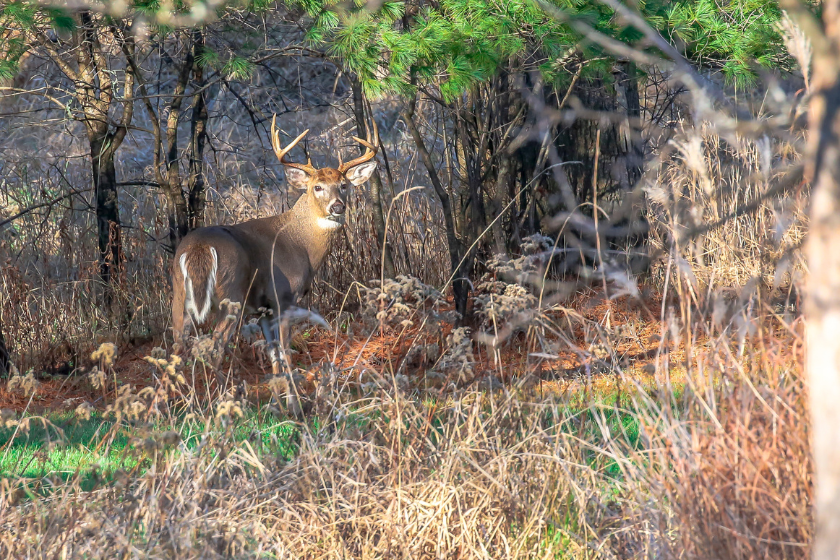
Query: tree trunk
170,180
460,270
375,182
173,174
620,161
822,307
469,121
474,151
107,211
522,224
503,185
576,143
198,137
4,353
97,95
197,190
627,94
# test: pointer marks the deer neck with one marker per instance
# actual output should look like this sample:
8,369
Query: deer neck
314,232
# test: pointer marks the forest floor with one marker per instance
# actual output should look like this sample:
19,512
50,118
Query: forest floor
594,445
564,372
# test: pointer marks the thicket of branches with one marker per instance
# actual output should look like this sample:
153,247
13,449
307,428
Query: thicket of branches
524,98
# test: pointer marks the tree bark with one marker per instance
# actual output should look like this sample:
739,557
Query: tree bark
523,224
186,211
97,95
627,93
198,137
822,307
576,142
503,185
179,218
109,231
475,147
375,181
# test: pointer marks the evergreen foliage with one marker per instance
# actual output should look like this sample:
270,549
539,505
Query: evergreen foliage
23,15
458,43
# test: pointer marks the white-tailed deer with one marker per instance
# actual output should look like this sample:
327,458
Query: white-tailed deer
270,262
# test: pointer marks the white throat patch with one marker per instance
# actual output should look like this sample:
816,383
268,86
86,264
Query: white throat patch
326,223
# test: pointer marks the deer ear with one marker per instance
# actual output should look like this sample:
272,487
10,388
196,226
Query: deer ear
297,178
361,173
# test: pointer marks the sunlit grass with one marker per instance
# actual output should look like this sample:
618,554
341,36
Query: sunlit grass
69,445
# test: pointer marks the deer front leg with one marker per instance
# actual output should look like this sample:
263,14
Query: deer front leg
273,344
276,346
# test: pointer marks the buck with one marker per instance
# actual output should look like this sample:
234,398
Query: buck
267,263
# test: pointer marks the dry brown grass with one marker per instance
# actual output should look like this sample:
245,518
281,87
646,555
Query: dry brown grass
480,485
704,181
719,468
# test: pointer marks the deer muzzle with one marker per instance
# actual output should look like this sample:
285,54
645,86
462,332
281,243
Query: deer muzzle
337,208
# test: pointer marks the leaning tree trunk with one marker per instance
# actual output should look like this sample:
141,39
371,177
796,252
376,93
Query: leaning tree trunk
822,307
109,231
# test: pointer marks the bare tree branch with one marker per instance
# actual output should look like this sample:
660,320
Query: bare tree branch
50,203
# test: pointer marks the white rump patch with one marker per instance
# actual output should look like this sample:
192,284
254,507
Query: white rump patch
326,223
199,315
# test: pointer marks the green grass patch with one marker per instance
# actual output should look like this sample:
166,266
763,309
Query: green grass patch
67,446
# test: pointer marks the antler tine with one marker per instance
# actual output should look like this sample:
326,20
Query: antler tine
372,145
281,152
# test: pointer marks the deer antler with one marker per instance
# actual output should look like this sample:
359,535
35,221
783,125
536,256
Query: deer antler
281,152
371,144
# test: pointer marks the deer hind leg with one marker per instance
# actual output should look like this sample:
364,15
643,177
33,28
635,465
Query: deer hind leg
179,333
229,315
276,342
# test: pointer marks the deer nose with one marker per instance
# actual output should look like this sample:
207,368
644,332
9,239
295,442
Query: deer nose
337,207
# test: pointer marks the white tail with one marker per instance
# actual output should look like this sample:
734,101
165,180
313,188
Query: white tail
199,315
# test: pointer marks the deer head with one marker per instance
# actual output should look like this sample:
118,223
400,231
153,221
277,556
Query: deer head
326,189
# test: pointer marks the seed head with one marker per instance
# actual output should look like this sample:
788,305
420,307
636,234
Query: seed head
27,384
83,411
96,377
106,354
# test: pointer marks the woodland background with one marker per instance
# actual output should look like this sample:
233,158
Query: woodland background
567,308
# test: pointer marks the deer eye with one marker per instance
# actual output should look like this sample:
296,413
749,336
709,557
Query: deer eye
344,186
318,188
